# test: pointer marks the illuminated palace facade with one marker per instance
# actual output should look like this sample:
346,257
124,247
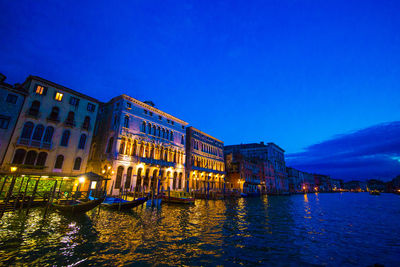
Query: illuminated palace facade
204,161
139,147
53,132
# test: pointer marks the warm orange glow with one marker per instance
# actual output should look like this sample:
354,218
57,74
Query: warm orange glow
13,169
58,96
103,171
39,90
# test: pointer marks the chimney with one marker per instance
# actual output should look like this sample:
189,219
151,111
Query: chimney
2,77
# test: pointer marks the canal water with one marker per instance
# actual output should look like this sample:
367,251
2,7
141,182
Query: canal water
341,229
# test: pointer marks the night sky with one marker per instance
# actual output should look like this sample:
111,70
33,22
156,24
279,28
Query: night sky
319,78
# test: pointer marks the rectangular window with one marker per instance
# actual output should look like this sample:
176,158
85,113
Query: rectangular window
40,90
11,99
4,122
58,96
172,122
145,111
128,105
91,107
159,117
73,101
151,113
168,121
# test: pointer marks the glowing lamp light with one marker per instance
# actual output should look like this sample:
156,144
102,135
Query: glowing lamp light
81,179
103,171
13,169
93,186
109,167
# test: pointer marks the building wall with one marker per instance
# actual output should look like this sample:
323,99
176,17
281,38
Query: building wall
11,101
205,164
42,144
139,155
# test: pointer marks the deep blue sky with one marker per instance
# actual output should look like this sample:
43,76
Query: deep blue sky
292,72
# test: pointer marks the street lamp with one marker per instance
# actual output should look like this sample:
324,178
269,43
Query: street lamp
13,169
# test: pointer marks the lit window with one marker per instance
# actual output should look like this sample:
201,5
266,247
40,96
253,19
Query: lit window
58,96
40,90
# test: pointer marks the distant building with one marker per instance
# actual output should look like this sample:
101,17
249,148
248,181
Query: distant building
270,152
244,173
205,164
53,133
295,180
11,101
139,147
337,184
374,184
322,183
355,186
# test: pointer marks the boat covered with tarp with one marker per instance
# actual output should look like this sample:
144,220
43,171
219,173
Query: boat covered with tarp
119,203
77,206
177,197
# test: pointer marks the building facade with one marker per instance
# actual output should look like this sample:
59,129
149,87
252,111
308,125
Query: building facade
139,147
244,174
267,153
205,166
53,133
11,101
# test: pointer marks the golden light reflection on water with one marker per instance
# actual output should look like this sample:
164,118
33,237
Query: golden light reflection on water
258,231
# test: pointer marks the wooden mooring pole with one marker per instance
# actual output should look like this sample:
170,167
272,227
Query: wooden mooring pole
51,197
5,202
33,195
3,184
19,191
23,197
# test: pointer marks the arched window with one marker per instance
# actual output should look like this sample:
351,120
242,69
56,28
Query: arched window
163,133
122,146
48,135
128,147
167,135
77,164
154,130
118,178
59,162
126,121
70,118
158,131
19,156
180,181
151,152
82,141
134,148
65,138
54,114
171,136
27,130
38,133
139,180
143,129
182,140
141,151
110,145
128,178
30,157
149,128
41,160
174,181
34,109
86,123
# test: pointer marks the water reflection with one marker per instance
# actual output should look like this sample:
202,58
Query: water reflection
323,229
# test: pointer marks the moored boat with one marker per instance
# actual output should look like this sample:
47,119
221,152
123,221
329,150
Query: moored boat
75,206
178,197
119,203
374,192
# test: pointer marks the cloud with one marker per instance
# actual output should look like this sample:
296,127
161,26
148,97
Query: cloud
372,152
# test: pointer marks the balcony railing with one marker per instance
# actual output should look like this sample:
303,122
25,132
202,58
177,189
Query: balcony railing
85,126
53,119
34,143
157,162
33,114
69,123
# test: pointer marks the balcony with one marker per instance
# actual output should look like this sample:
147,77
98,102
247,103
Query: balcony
85,126
54,119
34,143
69,123
157,162
34,114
